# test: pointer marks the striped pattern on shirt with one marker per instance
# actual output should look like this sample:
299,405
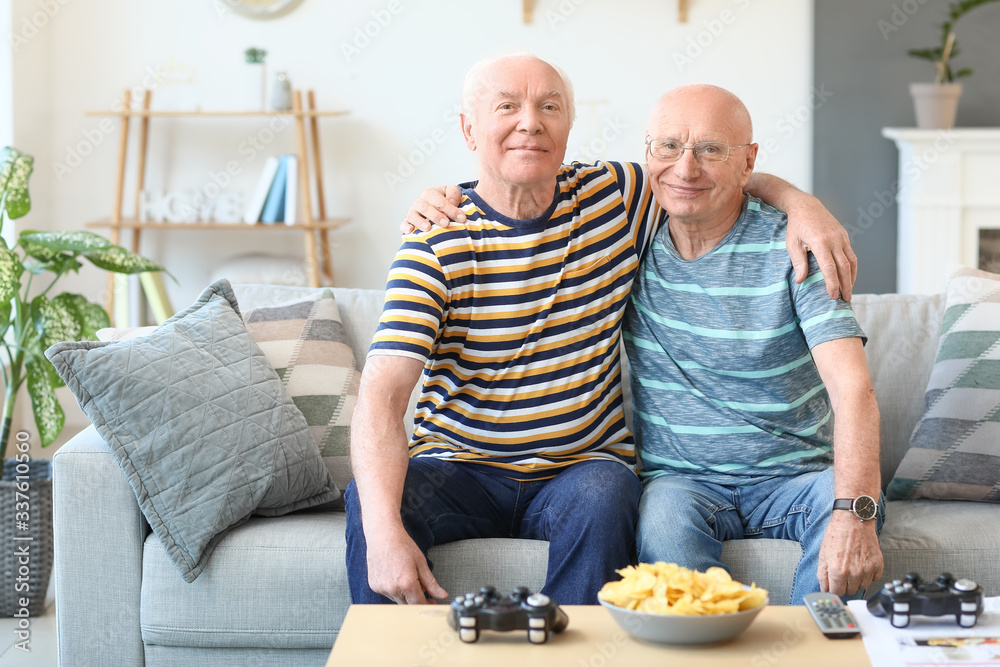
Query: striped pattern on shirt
518,323
724,386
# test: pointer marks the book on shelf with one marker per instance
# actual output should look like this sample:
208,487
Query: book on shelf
134,292
291,189
274,207
256,204
156,295
130,306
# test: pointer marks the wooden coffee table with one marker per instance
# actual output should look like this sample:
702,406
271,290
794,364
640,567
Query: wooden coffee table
374,635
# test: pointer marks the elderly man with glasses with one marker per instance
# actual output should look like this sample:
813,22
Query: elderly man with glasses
739,373
512,322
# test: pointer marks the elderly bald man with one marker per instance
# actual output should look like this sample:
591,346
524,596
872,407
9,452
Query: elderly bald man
512,319
738,384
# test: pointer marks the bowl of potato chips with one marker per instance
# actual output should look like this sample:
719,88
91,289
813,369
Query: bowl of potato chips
669,604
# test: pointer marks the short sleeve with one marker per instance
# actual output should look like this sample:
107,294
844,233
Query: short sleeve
821,318
416,295
640,205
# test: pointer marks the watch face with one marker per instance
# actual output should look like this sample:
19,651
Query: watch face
865,507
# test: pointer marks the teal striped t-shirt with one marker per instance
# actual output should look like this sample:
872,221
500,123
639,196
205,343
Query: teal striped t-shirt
724,386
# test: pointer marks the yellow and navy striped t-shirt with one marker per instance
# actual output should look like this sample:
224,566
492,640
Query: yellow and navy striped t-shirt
518,323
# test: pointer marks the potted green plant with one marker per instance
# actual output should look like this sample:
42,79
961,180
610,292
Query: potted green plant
32,319
936,104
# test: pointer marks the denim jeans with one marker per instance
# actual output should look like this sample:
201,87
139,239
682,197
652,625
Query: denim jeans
587,512
683,521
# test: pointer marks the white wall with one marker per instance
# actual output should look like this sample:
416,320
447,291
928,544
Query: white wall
6,56
401,83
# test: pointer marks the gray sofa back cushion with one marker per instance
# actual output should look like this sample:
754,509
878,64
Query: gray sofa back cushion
903,329
903,334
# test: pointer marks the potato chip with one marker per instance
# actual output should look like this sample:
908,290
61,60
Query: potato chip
668,588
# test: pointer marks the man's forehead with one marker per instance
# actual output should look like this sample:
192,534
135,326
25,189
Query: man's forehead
674,128
710,114
516,94
522,73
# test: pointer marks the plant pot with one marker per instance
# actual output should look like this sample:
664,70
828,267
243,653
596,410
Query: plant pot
25,537
935,104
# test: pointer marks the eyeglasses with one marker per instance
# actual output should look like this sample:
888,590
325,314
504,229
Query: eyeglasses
670,150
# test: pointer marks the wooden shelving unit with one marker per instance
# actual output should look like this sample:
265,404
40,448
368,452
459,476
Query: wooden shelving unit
317,250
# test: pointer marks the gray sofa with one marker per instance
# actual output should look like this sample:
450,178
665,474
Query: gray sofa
275,591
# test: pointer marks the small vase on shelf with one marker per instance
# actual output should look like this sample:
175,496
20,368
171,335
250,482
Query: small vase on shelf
257,82
281,93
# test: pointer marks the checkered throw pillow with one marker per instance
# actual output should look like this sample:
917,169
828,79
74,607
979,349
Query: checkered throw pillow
954,452
306,343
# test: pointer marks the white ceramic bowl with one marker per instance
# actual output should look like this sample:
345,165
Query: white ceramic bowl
682,629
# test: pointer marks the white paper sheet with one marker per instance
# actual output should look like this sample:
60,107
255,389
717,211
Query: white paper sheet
913,646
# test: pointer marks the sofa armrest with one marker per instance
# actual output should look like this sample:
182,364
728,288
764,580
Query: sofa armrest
98,533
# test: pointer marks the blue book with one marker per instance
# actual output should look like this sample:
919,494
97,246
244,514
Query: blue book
256,206
274,207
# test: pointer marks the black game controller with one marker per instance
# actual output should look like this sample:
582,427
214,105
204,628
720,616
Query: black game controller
522,610
911,596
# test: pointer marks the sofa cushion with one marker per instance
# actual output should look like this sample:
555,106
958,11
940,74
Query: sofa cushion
305,341
283,583
954,451
201,425
935,536
359,309
902,338
271,583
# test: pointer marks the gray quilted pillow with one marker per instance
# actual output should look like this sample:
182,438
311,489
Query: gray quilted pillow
200,423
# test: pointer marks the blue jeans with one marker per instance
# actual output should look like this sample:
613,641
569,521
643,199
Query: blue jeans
683,521
587,512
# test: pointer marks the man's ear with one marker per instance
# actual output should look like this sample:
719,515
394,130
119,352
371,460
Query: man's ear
470,140
750,162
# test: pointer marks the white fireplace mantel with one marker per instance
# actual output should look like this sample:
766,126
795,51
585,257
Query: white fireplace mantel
948,190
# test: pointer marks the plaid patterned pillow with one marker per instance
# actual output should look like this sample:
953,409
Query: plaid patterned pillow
954,452
306,344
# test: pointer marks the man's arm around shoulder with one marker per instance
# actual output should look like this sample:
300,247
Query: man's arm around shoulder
811,228
379,459
850,558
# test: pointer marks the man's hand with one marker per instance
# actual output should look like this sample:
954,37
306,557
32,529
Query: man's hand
398,570
850,558
812,228
436,206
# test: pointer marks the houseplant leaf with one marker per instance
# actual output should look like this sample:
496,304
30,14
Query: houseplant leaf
63,263
75,241
49,415
119,260
54,322
926,54
89,316
15,168
10,275
34,249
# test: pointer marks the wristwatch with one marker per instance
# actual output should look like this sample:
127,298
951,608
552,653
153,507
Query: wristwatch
863,507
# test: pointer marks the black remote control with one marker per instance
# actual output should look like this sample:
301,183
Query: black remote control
831,615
